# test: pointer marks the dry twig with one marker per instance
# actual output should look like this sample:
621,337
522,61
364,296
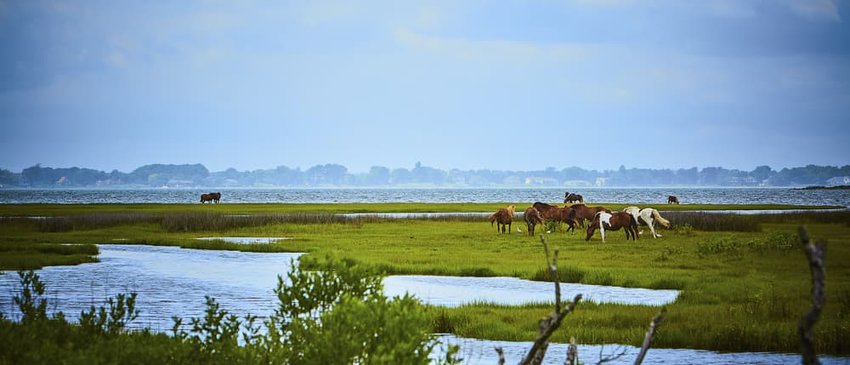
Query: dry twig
815,256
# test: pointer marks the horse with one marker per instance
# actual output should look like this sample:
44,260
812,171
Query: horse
210,197
613,221
532,217
573,198
672,199
580,212
503,218
556,214
648,216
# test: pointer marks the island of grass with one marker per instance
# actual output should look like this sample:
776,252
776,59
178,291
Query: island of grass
743,278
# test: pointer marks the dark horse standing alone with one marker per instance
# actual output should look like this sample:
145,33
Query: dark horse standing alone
573,198
210,197
672,199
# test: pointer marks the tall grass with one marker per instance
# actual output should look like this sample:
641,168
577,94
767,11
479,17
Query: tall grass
716,221
196,222
94,221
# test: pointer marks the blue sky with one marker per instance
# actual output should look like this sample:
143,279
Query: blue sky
505,85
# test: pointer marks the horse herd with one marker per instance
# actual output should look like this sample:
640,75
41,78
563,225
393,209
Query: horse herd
599,217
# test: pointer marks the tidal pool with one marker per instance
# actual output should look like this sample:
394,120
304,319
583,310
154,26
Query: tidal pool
452,291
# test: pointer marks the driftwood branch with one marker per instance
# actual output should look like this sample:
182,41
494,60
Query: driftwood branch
815,256
551,323
650,333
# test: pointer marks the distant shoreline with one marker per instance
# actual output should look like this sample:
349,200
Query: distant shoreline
819,187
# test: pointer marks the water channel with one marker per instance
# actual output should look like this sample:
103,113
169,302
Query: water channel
174,281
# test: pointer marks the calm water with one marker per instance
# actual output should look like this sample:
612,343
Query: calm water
173,281
475,351
644,196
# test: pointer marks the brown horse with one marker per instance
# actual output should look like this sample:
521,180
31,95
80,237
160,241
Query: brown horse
551,212
573,198
613,221
210,197
580,212
532,217
672,199
503,218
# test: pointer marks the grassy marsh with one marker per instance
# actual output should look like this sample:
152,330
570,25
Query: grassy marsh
744,280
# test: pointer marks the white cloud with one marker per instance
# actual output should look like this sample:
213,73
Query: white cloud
822,10
491,50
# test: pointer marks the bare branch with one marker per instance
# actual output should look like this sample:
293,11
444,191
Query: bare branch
815,255
618,353
572,352
551,323
650,333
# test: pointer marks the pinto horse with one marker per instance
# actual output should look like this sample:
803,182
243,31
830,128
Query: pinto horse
580,212
210,197
532,217
648,216
573,198
503,218
613,221
672,199
556,214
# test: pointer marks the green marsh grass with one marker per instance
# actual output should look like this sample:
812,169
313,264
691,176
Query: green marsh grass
743,288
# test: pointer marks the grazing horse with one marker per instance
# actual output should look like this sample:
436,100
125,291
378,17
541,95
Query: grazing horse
613,221
556,214
672,199
532,217
580,212
503,218
573,198
648,216
210,197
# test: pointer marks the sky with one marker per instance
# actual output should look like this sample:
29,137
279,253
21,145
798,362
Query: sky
501,85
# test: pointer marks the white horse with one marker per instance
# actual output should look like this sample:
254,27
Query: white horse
648,216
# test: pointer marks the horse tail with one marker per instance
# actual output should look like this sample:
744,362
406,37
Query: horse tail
657,216
492,218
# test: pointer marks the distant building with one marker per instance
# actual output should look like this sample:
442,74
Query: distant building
838,180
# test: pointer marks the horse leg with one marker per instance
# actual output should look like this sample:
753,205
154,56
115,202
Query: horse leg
602,230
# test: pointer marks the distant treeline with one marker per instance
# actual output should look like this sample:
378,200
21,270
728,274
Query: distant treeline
333,175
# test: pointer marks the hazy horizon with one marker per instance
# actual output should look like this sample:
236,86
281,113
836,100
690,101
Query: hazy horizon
509,86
